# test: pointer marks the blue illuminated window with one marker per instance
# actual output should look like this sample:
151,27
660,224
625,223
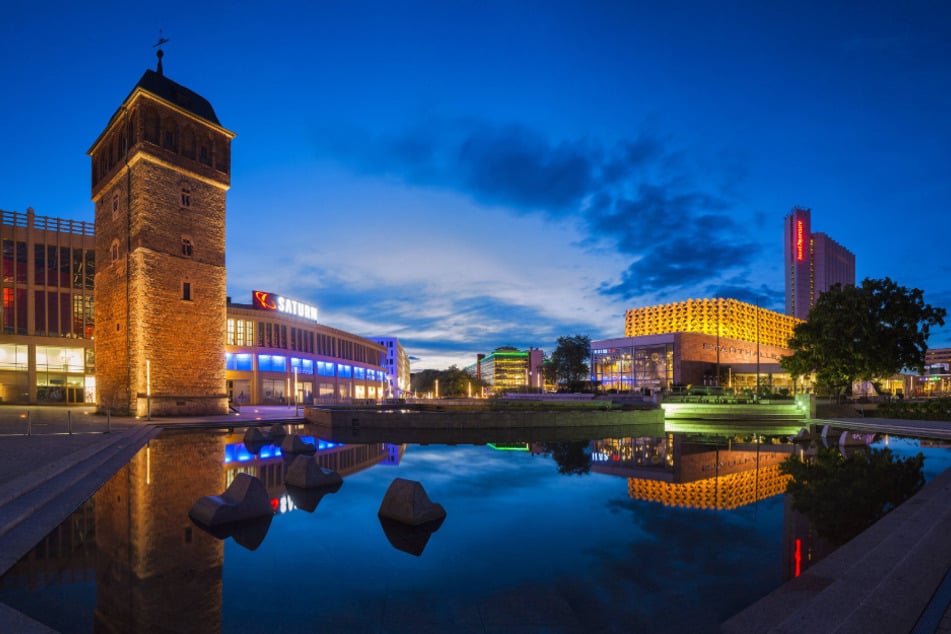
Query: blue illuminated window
303,366
243,361
325,368
359,373
272,363
345,371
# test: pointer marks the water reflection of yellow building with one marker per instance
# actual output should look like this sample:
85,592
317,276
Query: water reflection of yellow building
719,493
695,475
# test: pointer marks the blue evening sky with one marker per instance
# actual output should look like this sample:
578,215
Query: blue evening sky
470,174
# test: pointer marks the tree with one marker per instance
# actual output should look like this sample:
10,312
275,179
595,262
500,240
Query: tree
571,456
861,333
453,382
569,361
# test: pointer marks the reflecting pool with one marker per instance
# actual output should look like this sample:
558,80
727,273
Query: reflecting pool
668,533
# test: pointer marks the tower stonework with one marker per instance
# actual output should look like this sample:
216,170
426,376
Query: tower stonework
160,173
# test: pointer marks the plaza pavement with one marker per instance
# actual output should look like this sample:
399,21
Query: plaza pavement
894,577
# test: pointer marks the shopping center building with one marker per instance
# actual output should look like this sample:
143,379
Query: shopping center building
278,353
699,342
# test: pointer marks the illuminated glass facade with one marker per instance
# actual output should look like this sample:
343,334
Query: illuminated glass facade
509,369
627,364
47,325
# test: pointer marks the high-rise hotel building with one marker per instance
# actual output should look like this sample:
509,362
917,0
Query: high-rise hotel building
814,263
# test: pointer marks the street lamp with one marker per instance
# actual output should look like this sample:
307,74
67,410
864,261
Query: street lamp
148,389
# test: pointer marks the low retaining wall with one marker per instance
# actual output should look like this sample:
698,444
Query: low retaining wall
719,411
404,419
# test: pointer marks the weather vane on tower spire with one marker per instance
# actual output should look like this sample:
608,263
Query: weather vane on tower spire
159,53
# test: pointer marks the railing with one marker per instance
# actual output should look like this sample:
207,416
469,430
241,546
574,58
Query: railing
48,223
37,421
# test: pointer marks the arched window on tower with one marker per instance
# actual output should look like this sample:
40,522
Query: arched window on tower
204,152
130,129
151,125
188,142
114,251
170,135
221,157
188,249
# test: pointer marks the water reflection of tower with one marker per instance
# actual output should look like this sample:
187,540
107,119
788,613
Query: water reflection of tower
155,571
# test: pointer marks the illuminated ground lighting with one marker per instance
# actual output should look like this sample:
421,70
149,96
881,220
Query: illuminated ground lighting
519,447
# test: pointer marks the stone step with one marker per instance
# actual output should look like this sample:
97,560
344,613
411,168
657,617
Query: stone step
34,504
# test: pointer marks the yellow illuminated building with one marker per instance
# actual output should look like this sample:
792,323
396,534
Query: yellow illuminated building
727,318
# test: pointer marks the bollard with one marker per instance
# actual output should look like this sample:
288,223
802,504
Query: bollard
69,422
29,423
108,421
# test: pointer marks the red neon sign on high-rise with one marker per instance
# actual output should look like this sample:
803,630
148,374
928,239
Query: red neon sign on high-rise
800,240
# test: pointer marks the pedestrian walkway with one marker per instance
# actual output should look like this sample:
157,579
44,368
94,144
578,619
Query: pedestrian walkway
884,580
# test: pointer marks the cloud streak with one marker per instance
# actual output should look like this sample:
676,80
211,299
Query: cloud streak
638,198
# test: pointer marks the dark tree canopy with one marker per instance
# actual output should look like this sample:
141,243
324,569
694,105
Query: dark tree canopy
571,456
862,333
568,364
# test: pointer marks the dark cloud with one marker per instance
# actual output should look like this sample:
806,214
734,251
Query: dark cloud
639,197
742,289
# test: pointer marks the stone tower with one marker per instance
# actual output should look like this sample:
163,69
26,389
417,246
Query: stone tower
160,173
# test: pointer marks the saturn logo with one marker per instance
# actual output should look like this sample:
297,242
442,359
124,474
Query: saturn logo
264,300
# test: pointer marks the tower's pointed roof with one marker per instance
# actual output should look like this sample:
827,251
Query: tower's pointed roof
163,87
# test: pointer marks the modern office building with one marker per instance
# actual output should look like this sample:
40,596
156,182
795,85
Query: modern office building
814,263
510,369
397,367
48,321
712,342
